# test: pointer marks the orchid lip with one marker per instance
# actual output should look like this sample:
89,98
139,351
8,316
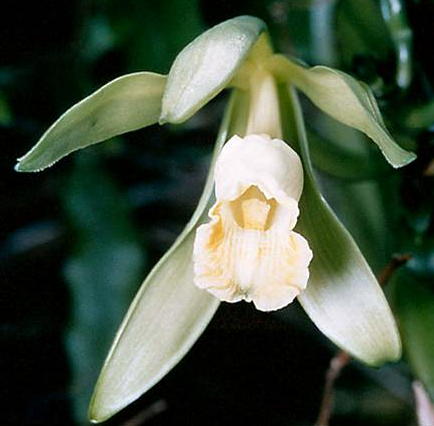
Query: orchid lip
249,251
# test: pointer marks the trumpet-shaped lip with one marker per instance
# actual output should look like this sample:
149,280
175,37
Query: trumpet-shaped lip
248,250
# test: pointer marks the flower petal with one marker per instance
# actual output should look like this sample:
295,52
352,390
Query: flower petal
346,100
126,103
342,298
167,315
204,67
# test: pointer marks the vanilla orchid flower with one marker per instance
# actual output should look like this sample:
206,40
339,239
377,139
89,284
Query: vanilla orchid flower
269,236
249,251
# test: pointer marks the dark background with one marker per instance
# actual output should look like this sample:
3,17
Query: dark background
77,240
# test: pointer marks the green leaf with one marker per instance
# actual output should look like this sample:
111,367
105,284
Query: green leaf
127,103
361,32
204,67
342,298
345,99
102,273
168,313
414,305
148,36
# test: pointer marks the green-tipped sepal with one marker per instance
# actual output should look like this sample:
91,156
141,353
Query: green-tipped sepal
343,298
346,100
126,103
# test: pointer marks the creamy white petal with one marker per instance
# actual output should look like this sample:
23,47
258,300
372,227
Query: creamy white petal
248,250
270,164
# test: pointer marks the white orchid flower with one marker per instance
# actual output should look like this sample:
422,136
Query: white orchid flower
269,235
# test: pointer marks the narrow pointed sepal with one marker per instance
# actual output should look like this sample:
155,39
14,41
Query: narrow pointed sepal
168,313
342,297
165,319
126,103
345,99
204,67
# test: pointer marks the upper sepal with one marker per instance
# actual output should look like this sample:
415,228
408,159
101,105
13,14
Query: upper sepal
345,99
126,103
204,67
